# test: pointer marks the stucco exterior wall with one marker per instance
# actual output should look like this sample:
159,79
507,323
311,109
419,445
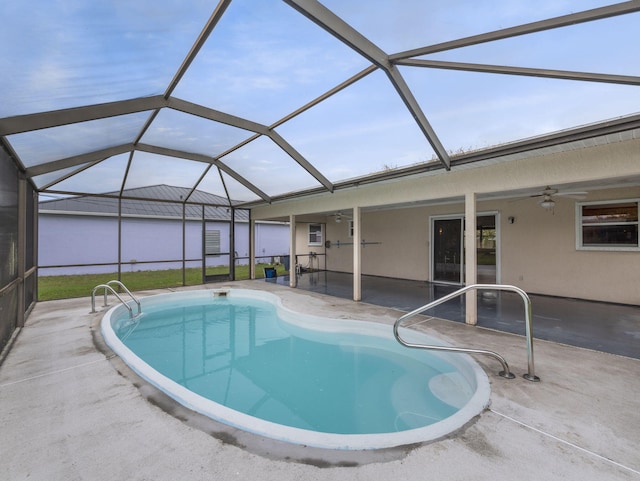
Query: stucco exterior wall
79,239
271,240
538,251
539,254
145,240
303,249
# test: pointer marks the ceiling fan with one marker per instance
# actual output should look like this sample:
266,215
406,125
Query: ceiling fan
548,194
339,216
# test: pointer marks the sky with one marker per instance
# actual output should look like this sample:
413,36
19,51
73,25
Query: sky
264,60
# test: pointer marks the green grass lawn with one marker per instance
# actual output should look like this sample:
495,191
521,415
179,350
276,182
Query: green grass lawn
486,257
63,287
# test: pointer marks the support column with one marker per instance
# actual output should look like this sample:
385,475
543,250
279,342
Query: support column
184,244
252,247
120,238
357,254
232,245
203,245
292,252
470,257
22,248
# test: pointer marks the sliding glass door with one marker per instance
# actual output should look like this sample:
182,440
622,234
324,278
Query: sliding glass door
447,244
447,251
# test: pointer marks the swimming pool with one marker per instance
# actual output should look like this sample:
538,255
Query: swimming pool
240,357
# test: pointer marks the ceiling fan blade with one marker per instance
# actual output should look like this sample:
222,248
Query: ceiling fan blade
574,196
568,194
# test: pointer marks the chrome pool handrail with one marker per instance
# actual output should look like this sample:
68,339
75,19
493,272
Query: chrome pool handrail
530,376
107,287
120,284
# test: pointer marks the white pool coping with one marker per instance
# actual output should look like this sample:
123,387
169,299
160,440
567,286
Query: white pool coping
464,364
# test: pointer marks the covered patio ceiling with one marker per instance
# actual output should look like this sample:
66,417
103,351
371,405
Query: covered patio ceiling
260,101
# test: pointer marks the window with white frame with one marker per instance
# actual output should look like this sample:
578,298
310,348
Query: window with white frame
315,235
609,225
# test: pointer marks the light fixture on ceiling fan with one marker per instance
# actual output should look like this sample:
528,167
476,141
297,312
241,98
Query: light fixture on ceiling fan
339,215
548,194
547,202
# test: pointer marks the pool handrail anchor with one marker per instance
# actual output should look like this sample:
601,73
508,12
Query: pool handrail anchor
108,287
530,376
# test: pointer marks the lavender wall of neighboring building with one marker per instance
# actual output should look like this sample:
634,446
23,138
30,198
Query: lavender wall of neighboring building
92,239
77,240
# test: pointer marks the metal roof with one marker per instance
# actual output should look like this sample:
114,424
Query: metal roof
258,101
167,202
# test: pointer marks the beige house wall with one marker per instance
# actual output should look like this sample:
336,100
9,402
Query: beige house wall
537,252
303,249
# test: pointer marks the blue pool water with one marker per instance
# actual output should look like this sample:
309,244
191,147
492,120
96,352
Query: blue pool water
270,369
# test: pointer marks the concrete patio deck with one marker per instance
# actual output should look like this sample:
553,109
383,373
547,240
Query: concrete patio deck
601,326
69,410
